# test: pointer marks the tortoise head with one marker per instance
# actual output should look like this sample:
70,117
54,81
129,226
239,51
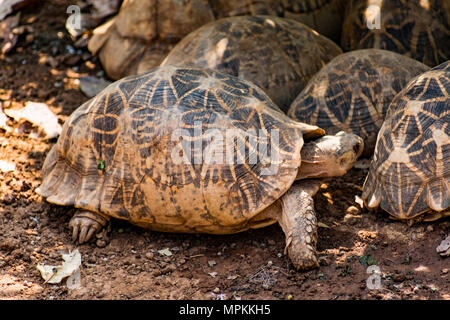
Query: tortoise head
330,156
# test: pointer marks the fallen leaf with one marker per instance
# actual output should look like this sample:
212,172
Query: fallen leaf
69,268
322,225
41,117
444,247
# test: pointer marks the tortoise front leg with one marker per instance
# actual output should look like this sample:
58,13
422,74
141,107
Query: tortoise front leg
85,224
299,223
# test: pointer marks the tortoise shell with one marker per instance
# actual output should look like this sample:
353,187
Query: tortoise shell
279,55
353,91
418,29
409,173
139,37
132,152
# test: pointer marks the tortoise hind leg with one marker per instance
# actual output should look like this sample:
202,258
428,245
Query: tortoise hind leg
85,224
299,223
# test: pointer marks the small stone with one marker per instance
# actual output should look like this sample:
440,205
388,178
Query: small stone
149,255
430,228
398,277
212,263
91,259
387,262
352,219
101,243
72,59
216,290
324,261
29,38
353,210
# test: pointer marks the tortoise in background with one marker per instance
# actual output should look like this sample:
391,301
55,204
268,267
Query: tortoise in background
279,55
417,28
148,149
139,37
409,175
353,91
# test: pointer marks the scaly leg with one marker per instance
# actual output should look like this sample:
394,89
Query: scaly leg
299,223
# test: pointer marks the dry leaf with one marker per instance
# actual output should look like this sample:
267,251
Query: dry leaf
40,116
70,267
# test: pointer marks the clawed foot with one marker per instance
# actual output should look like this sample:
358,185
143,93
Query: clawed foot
302,254
85,224
444,248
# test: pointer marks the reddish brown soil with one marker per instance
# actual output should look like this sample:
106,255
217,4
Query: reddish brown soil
250,265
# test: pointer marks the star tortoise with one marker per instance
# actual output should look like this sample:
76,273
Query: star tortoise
353,91
409,176
278,55
419,29
194,151
139,37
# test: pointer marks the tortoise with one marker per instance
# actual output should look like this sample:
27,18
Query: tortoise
139,37
353,91
409,176
418,29
290,52
193,151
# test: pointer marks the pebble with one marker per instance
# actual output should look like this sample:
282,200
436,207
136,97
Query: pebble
352,210
216,290
212,263
100,243
149,255
430,228
29,38
352,219
324,261
398,277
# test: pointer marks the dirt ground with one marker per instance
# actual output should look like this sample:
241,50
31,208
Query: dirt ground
125,263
